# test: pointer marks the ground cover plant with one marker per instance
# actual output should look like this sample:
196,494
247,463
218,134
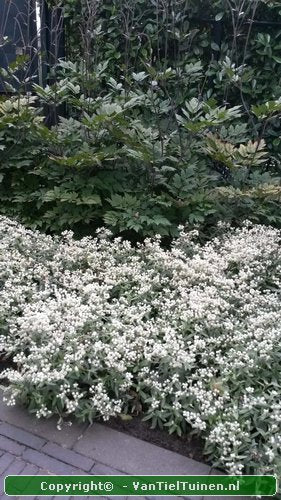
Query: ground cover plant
187,337
162,113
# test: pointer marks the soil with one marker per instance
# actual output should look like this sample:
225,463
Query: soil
189,446
4,364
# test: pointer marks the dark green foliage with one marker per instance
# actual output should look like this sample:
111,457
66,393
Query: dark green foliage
162,127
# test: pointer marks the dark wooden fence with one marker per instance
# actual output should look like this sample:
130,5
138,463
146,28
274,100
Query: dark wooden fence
28,28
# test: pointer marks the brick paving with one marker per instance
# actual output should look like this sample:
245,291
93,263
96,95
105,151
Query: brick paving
32,447
22,453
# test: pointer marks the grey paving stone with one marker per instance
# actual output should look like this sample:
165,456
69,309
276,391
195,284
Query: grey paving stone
101,469
215,472
193,498
47,463
5,461
68,456
119,498
43,472
64,498
43,498
45,428
113,452
163,497
137,498
30,470
50,497
7,444
89,498
14,469
227,498
81,473
21,436
93,496
216,498
133,456
5,497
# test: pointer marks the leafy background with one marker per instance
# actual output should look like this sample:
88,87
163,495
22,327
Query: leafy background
160,117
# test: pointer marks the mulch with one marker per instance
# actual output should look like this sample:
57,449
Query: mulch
187,445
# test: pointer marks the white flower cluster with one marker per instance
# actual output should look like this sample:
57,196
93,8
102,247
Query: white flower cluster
191,335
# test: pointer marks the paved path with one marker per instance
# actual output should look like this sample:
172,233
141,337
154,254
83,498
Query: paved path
35,447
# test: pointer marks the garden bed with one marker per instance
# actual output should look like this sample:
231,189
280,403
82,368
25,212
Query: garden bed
188,337
187,445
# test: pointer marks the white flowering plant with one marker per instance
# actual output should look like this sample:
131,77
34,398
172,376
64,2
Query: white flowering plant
190,335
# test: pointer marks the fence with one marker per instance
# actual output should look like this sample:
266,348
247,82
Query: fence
32,35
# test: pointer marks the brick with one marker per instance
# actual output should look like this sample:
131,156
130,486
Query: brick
14,469
5,497
121,498
42,472
7,444
193,498
43,498
216,498
133,456
47,463
68,456
101,469
82,447
45,428
214,472
165,497
5,461
145,498
65,498
30,470
21,436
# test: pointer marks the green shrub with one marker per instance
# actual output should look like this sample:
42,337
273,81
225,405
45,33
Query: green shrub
189,336
161,127
117,162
